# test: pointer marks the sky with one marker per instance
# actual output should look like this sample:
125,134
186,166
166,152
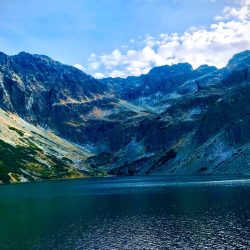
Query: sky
119,38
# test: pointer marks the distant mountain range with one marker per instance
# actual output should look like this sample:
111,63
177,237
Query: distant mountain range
58,122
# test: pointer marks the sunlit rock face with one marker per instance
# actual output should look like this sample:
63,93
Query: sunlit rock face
48,93
173,120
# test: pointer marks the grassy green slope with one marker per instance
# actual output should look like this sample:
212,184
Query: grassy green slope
29,153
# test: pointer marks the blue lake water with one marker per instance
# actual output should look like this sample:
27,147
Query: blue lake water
127,213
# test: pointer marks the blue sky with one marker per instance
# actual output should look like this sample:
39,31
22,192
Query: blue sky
83,31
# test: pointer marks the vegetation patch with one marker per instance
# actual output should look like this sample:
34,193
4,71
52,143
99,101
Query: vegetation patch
38,169
15,158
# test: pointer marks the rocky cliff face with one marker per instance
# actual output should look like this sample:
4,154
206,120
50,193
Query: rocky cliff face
193,124
159,82
174,120
48,93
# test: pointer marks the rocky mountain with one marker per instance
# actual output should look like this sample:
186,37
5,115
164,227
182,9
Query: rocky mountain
173,120
29,152
159,81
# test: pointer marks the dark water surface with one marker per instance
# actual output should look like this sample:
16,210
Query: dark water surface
127,213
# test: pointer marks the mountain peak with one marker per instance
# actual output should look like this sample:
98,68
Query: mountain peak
204,66
2,54
170,69
240,59
3,58
25,55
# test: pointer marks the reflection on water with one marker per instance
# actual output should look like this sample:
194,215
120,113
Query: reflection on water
127,213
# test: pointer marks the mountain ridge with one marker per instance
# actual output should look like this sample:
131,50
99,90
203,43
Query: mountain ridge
163,122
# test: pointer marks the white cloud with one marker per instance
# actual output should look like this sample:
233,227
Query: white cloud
79,66
112,60
241,13
215,46
117,73
98,75
94,65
